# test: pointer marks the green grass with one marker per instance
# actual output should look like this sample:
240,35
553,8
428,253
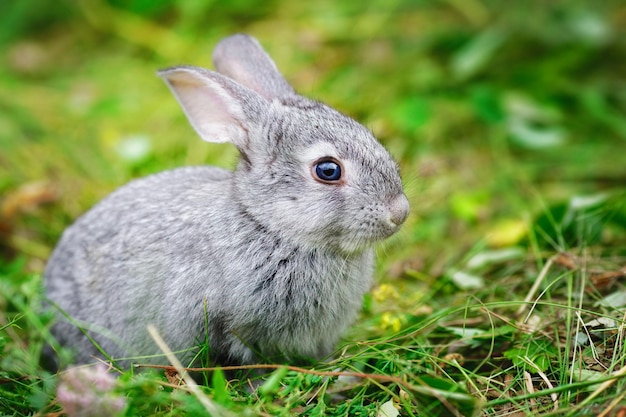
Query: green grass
504,293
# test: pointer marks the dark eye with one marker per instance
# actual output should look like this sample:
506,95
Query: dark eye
328,170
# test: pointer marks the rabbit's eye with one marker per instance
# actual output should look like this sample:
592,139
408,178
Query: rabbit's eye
327,170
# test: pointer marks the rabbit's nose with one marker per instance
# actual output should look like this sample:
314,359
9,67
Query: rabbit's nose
399,209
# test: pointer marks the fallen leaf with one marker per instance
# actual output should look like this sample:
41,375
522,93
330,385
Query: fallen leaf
388,409
173,377
566,260
466,281
26,198
607,279
491,257
616,299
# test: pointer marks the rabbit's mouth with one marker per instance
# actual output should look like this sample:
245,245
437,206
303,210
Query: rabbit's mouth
358,245
368,235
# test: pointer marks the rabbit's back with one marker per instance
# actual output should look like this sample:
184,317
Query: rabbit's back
121,263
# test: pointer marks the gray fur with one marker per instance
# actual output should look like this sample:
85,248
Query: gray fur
264,262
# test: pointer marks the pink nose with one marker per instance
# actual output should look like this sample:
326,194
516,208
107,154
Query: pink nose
399,209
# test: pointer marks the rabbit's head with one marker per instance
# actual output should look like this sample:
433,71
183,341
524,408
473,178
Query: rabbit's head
307,172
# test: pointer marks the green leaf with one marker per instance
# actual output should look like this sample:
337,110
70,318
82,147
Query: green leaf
533,356
272,383
477,53
533,136
581,220
220,393
431,389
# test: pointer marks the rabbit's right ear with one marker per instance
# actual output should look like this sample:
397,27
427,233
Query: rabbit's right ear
242,58
219,109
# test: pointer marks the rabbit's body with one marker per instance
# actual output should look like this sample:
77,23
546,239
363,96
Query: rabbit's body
266,262
284,299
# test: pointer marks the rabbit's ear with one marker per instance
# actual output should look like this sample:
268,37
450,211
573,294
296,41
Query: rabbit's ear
219,109
242,58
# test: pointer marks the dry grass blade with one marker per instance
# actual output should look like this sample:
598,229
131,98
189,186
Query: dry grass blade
603,387
534,288
212,408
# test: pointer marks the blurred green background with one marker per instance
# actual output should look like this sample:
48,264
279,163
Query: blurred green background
504,116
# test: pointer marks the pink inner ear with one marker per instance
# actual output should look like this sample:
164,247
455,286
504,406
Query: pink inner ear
236,72
214,113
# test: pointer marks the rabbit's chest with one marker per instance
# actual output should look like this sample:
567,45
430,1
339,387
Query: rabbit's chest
313,286
303,310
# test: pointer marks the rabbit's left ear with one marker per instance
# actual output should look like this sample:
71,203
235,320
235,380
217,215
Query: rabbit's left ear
241,58
219,109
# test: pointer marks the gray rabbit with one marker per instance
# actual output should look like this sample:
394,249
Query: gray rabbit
268,262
